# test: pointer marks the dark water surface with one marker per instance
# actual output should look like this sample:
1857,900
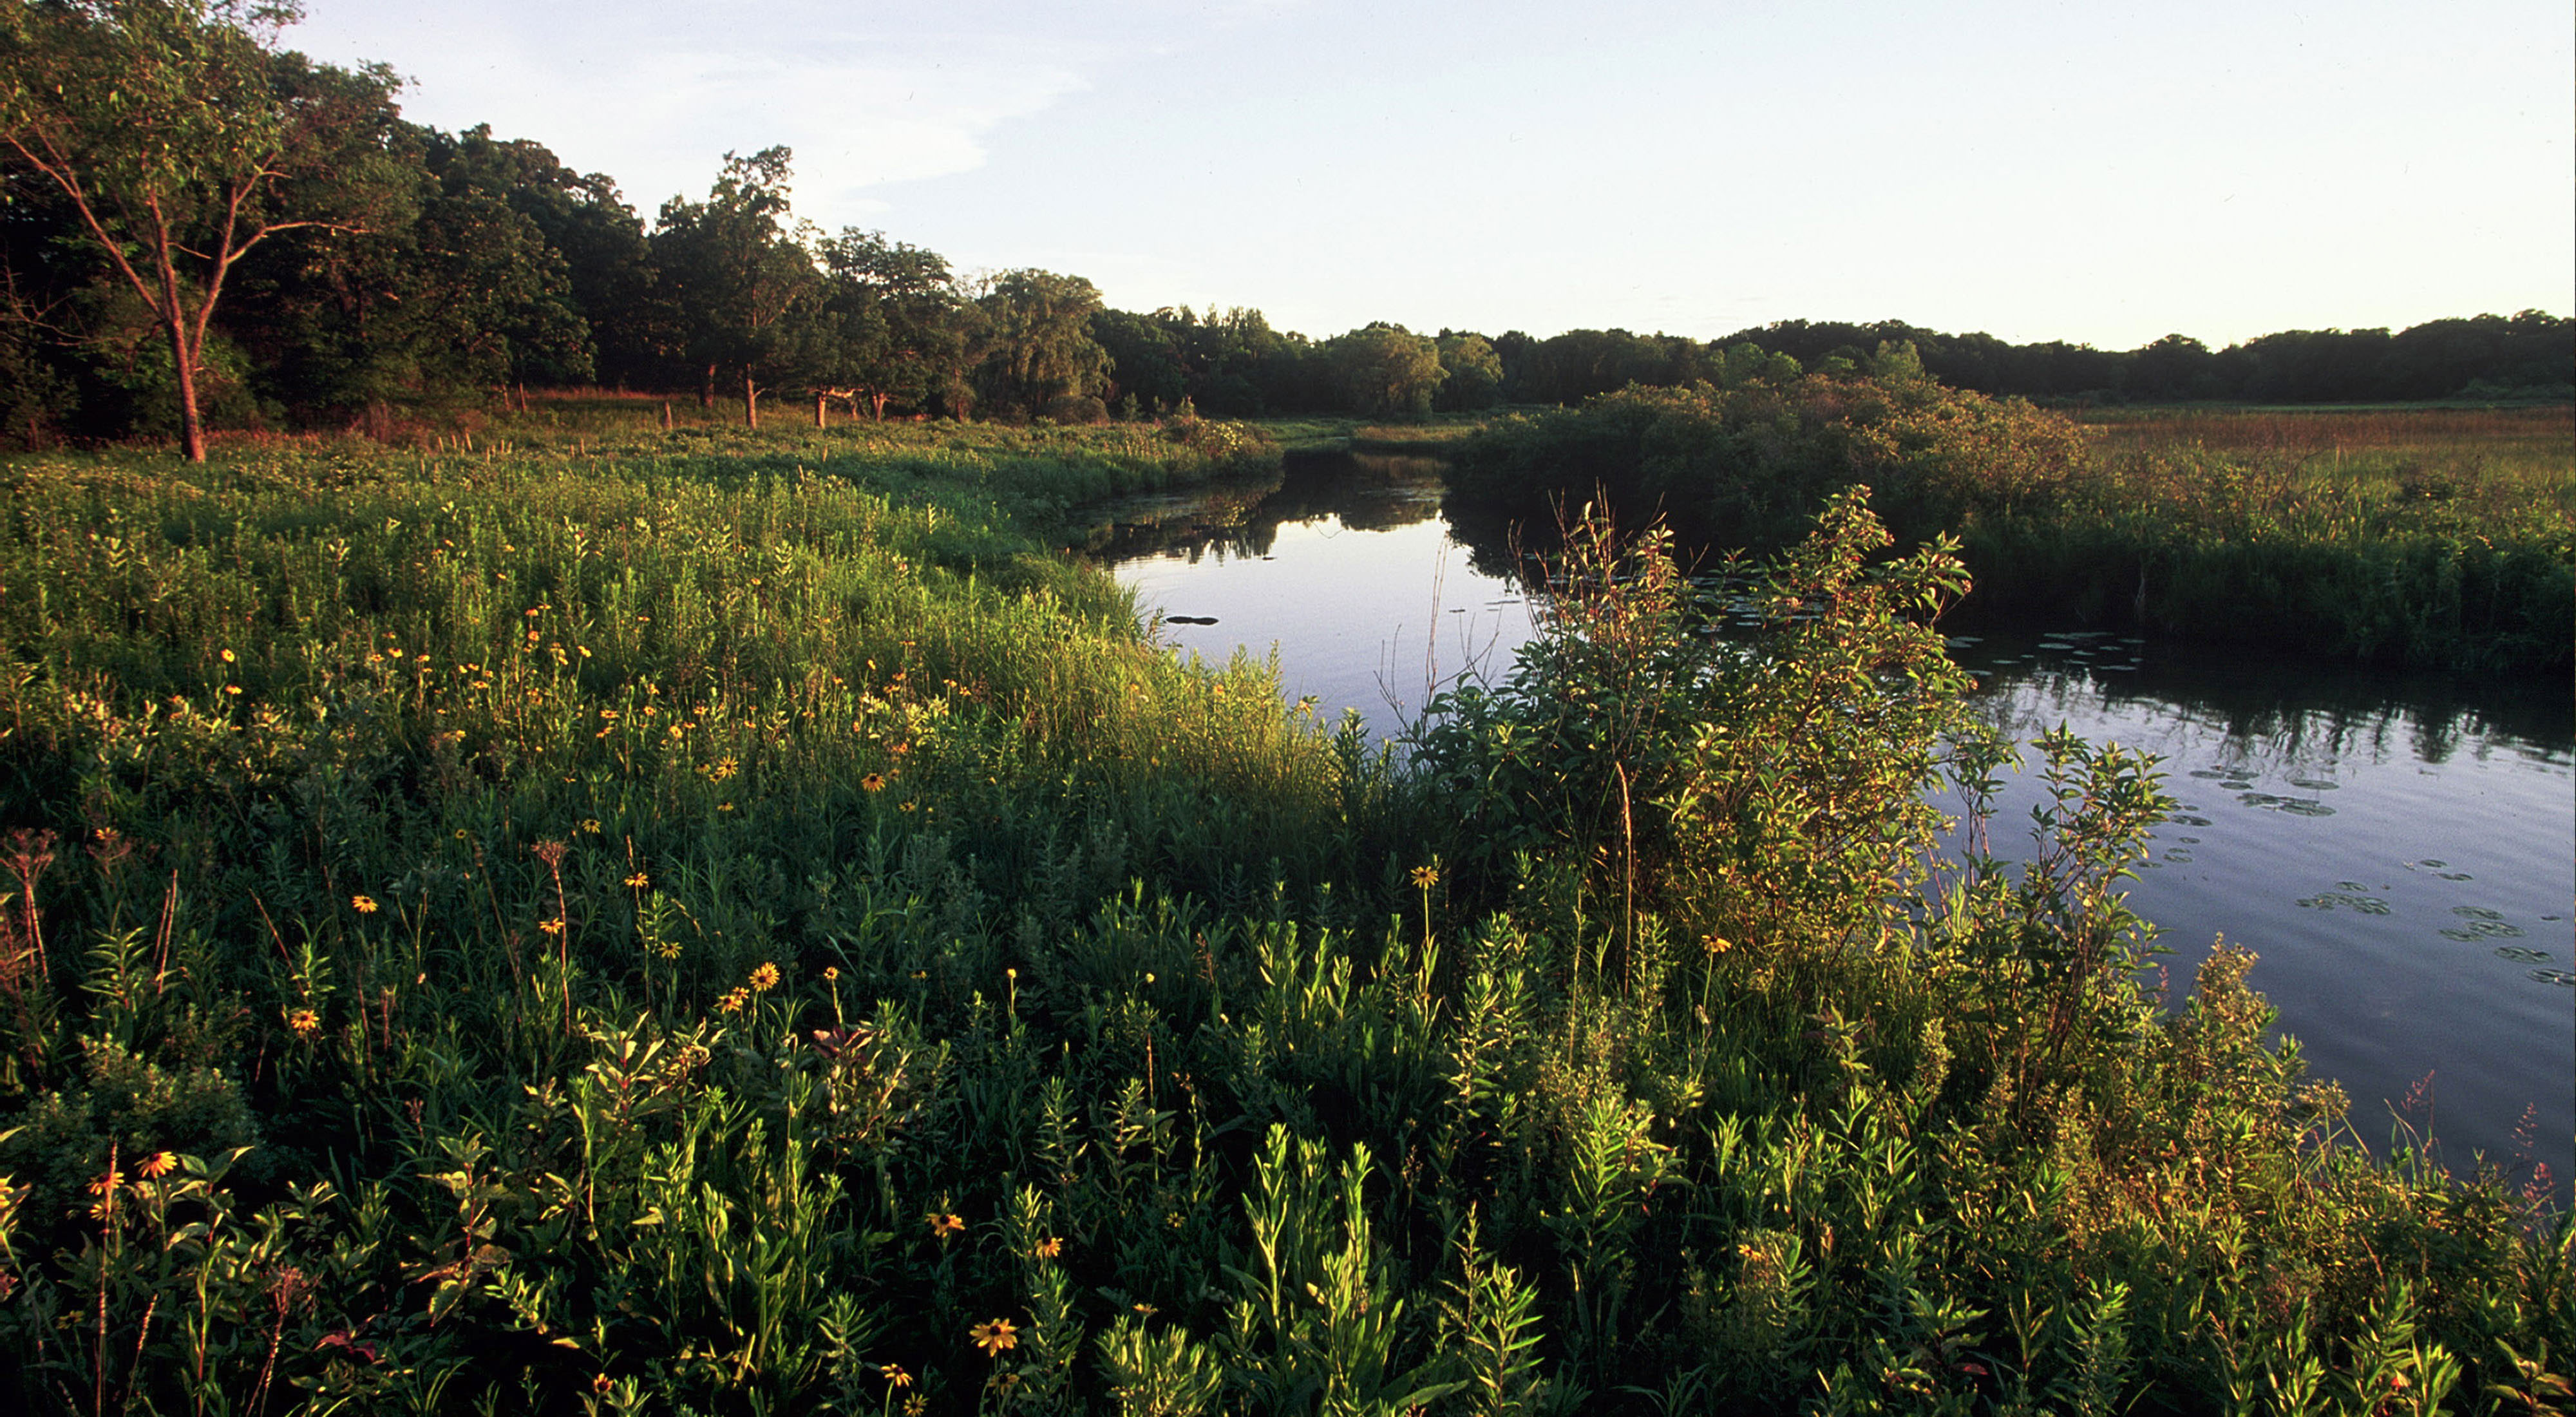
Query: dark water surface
2399,850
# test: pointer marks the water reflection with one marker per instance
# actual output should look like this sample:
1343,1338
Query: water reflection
2400,849
1360,491
1341,564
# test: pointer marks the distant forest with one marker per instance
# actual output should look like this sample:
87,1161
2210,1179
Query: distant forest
282,250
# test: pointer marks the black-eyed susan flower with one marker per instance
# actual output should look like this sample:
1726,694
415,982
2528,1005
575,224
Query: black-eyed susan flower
994,1336
363,904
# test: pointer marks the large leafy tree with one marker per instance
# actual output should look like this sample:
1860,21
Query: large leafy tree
1472,372
1034,336
180,139
1386,370
607,274
735,271
886,330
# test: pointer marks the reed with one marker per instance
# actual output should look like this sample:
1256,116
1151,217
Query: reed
2425,537
705,922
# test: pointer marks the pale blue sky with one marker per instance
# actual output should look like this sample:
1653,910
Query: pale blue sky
2090,172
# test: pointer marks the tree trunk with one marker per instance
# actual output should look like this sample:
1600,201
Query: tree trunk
879,400
192,434
818,412
707,390
666,415
750,404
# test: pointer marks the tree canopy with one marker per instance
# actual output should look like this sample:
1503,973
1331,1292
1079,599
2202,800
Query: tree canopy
181,139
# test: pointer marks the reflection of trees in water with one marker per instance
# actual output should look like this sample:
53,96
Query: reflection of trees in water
1367,491
2267,715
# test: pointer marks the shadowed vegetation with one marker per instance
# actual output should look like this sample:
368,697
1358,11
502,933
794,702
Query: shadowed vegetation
705,922
2426,537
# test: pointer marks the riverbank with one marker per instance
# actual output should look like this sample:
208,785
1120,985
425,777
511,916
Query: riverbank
599,923
2422,537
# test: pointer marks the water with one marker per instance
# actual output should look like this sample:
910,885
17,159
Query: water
2399,850
1345,567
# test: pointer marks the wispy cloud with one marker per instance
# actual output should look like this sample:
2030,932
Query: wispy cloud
655,94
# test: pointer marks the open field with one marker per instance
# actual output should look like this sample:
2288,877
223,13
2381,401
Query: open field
604,921
2426,537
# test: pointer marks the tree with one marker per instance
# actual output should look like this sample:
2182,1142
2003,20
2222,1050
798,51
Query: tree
1387,371
1472,372
735,271
607,268
182,139
886,329
1035,340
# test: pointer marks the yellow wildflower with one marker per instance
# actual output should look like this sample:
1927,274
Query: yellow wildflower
158,1165
994,1336
363,904
304,1022
944,1223
764,978
1425,877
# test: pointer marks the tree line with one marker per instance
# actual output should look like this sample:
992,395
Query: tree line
199,226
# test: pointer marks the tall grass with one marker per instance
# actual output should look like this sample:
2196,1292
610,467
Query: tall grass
714,923
2428,537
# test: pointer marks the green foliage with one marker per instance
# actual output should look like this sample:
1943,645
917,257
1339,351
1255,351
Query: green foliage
183,139
2256,542
1386,371
727,923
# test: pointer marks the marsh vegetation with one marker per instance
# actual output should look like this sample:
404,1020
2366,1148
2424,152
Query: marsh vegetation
734,922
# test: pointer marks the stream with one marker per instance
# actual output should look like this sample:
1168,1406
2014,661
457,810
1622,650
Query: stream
2399,849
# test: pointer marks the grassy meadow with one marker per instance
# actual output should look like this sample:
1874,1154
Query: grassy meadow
2430,537
551,915
2414,535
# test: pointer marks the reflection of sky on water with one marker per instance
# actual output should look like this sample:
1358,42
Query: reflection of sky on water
1361,619
2322,791
2405,865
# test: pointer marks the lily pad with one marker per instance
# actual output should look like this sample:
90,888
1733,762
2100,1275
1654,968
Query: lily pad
2457,876
2522,954
2346,900
2291,806
2313,784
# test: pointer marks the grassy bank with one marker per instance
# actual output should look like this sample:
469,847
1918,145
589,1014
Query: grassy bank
705,922
2427,537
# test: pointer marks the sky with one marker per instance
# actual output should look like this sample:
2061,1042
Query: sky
2101,173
